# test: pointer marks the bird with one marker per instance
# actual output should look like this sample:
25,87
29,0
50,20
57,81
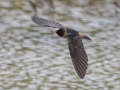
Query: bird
74,38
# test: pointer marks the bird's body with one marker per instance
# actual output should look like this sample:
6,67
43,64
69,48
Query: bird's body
74,38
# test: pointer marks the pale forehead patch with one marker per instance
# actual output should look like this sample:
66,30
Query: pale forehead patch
56,28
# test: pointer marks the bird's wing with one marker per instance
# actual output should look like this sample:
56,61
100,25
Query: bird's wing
78,54
46,23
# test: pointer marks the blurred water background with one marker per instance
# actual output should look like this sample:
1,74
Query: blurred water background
35,58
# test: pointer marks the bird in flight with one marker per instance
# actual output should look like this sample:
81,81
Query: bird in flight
74,39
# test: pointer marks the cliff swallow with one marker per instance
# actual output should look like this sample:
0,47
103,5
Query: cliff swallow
74,38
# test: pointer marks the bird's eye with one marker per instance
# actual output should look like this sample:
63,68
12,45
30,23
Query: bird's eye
60,29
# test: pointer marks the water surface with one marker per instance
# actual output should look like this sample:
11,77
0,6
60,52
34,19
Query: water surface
35,58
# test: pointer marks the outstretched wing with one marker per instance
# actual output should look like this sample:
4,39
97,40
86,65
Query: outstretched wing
78,54
46,23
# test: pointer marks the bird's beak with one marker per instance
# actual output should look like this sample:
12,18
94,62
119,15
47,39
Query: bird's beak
84,36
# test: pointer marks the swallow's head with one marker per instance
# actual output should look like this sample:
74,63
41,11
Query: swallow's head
84,36
61,32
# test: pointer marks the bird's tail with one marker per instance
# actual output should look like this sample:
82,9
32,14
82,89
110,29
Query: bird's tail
84,36
33,5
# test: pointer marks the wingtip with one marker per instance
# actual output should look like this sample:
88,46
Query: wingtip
82,77
34,16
